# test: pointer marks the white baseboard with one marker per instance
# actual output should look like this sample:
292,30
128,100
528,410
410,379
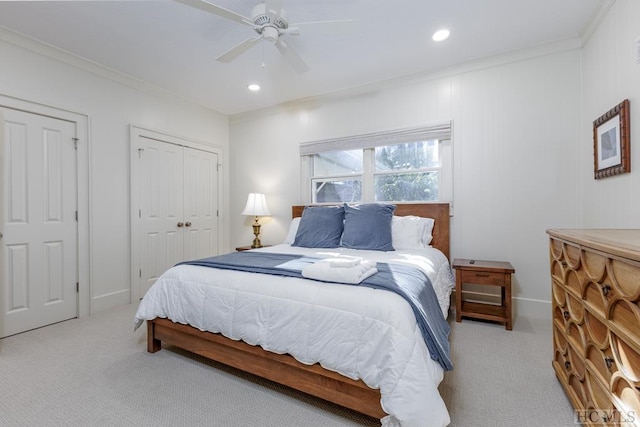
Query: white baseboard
531,308
107,301
521,307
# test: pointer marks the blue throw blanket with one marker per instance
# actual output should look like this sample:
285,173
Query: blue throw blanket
408,282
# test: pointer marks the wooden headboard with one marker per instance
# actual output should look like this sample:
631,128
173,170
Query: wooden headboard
438,211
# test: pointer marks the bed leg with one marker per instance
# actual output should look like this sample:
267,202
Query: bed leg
153,344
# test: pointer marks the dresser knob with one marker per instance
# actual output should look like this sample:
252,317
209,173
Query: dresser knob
566,315
564,263
605,290
609,362
567,364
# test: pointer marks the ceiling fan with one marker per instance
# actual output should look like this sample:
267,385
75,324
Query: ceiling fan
269,21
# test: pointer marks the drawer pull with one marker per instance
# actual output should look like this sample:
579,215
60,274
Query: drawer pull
482,274
605,290
609,362
567,364
566,315
564,263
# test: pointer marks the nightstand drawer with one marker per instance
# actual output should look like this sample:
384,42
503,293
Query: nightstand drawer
483,277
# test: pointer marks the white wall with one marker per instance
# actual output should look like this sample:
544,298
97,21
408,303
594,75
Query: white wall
610,75
31,72
515,122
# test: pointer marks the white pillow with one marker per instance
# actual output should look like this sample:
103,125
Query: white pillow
427,235
411,232
293,230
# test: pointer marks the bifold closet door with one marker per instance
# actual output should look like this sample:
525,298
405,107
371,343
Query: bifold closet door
39,259
178,206
160,172
200,203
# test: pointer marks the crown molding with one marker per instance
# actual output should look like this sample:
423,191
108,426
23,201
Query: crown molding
596,18
566,45
57,54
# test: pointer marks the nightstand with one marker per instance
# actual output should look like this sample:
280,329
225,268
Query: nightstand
492,273
246,248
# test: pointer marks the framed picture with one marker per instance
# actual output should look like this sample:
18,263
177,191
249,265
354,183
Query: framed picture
611,151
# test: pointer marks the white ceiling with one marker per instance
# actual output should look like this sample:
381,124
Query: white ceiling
174,46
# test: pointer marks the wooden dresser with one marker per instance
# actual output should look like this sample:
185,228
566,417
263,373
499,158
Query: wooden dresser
596,322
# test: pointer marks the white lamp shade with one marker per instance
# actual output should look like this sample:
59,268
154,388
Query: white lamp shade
256,205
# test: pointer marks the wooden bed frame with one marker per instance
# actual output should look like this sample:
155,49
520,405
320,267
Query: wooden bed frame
283,368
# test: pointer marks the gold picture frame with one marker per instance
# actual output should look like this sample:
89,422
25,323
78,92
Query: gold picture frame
611,142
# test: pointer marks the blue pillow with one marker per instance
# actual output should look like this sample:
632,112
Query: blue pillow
368,227
320,227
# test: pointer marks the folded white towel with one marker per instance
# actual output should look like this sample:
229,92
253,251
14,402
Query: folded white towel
344,262
323,270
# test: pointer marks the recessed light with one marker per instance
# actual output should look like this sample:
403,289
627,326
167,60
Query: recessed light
440,35
253,87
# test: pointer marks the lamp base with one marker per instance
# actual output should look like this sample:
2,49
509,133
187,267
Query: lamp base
256,232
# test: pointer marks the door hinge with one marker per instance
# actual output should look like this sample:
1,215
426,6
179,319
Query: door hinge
139,213
140,273
76,216
218,167
75,143
140,150
217,212
77,287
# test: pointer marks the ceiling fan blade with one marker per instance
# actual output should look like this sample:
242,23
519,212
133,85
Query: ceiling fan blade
217,10
292,57
332,27
238,49
274,9
291,31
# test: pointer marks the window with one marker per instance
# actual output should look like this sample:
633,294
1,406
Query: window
337,176
407,172
407,165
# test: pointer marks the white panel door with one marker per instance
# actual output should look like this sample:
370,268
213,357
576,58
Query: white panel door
160,168
177,196
200,203
39,225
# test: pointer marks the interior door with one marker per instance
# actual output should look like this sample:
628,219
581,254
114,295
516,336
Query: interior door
160,168
200,203
39,225
177,196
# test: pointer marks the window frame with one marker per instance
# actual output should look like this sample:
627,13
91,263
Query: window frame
368,143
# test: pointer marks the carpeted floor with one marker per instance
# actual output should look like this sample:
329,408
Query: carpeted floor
95,371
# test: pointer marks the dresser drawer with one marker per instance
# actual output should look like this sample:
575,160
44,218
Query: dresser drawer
483,277
596,321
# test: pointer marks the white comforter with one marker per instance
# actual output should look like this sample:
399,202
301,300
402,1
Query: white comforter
359,332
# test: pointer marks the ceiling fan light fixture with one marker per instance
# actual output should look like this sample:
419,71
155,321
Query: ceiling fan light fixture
253,87
440,35
270,33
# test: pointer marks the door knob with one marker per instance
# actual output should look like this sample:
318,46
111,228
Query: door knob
180,224
187,224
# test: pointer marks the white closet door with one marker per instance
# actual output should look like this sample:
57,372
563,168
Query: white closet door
175,201
39,225
200,203
160,169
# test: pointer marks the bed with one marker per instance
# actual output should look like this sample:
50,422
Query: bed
361,382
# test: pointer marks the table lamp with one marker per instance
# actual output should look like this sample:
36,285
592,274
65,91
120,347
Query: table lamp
256,206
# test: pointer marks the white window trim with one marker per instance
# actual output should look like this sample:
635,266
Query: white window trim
441,131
